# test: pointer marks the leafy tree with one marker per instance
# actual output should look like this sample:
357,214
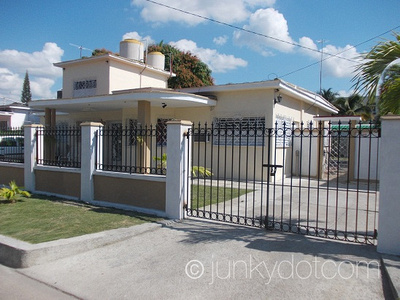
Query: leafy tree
379,62
189,69
26,95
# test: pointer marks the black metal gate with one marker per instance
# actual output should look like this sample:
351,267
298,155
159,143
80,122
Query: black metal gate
294,178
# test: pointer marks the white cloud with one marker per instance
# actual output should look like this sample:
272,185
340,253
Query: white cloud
220,40
39,64
269,23
137,36
238,10
340,63
217,62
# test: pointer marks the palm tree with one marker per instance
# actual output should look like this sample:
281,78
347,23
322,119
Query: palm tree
372,73
354,106
329,95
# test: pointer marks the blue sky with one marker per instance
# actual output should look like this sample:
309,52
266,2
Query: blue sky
35,34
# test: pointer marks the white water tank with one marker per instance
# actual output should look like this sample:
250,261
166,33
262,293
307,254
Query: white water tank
132,49
156,60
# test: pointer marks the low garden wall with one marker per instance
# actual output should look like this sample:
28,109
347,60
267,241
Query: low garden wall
11,171
142,191
58,181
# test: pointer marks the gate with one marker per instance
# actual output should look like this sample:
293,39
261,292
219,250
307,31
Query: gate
316,179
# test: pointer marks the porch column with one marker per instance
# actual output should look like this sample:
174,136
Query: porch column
88,159
389,190
178,157
33,149
144,119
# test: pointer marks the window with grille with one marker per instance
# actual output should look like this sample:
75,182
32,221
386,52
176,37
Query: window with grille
84,88
239,131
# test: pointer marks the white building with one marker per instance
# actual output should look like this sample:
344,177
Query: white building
118,89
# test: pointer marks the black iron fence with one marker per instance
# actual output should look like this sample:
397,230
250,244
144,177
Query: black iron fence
317,179
12,145
59,146
132,149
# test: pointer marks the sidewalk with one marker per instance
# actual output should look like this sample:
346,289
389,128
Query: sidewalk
198,259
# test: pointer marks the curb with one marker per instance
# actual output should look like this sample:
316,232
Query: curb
391,269
19,254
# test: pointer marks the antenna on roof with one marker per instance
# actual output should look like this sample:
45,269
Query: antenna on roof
80,49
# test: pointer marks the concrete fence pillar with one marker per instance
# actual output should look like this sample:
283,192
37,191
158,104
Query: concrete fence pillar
33,150
389,199
88,158
178,157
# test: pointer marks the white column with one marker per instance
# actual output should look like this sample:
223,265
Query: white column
178,156
389,190
33,149
88,158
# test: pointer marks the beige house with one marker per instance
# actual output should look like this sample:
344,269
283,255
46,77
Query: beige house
118,89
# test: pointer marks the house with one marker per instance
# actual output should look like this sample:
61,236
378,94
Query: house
15,114
124,91
119,90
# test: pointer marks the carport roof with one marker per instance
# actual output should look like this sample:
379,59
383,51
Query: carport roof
125,99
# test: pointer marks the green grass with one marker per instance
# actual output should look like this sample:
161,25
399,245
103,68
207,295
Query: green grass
205,195
41,219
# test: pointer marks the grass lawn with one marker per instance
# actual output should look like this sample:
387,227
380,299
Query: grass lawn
204,195
41,219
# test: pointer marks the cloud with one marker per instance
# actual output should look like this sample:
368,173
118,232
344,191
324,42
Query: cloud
39,64
137,36
217,62
238,10
268,23
342,61
220,40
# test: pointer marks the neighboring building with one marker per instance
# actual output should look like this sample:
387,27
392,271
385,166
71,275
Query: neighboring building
123,89
15,114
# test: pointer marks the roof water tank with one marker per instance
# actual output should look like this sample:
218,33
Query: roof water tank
132,49
156,60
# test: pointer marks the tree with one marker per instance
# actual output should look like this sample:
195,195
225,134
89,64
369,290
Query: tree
371,73
26,95
102,51
354,106
329,95
189,69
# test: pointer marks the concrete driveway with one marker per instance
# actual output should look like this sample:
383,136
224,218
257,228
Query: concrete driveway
197,259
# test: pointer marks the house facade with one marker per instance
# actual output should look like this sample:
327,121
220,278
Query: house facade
115,89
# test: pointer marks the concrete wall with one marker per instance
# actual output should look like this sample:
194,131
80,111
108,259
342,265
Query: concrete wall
11,171
133,190
58,181
95,70
124,76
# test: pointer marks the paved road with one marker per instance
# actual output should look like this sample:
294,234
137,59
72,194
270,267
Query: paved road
197,259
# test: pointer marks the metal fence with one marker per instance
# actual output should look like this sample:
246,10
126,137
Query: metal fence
132,149
317,179
59,146
12,145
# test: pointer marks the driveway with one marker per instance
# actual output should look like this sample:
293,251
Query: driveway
197,259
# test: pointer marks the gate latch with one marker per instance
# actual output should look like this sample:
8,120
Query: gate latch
272,168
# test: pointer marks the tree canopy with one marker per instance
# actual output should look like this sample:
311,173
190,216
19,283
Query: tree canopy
189,69
353,105
380,74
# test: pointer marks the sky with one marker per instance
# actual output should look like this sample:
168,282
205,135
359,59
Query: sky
240,40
